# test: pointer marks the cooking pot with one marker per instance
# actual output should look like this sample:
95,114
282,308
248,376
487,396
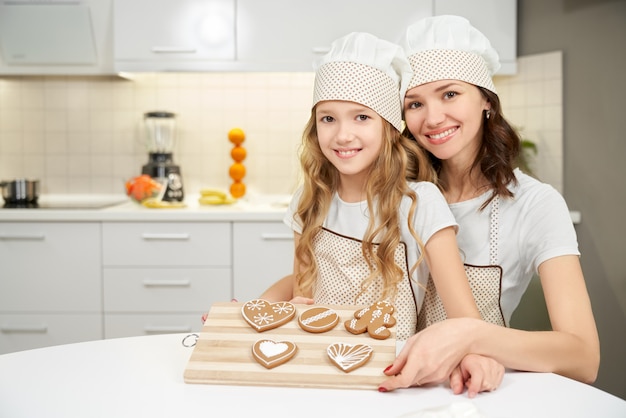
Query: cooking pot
20,191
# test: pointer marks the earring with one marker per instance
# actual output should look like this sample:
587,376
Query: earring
488,113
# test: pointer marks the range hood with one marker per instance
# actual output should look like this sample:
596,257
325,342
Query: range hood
50,33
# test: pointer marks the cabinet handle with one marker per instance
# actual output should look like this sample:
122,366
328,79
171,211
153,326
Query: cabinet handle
166,283
24,329
166,329
165,237
22,237
173,50
276,237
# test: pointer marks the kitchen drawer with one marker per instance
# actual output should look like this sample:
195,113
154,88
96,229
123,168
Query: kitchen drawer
166,289
133,325
263,253
50,266
27,331
166,244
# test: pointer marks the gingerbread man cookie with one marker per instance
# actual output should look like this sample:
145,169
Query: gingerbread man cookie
376,320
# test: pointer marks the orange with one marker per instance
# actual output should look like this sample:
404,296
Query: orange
237,189
236,136
237,171
238,153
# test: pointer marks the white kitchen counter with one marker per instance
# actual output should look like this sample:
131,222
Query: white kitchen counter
143,377
253,209
258,208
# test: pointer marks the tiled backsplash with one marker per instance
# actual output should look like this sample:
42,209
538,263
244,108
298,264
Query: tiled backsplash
85,134
532,101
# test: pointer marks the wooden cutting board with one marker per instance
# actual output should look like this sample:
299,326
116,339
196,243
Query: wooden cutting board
223,353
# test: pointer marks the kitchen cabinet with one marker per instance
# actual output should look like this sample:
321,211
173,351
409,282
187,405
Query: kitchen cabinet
262,254
56,37
497,19
159,277
286,35
50,291
164,35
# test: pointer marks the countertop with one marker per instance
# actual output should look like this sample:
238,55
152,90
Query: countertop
119,207
82,208
143,377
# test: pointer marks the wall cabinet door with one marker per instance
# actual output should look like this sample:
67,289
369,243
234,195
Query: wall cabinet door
262,254
287,35
165,35
56,37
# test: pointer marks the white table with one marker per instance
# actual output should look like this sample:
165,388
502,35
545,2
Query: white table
143,377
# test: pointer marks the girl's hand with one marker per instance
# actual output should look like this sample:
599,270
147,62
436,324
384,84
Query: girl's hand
477,373
206,314
302,300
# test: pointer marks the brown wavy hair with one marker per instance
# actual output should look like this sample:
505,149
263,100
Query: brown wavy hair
400,158
496,157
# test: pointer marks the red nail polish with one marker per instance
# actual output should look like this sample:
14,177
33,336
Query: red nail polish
388,367
382,389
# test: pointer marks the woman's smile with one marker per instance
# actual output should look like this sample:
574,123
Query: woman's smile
441,136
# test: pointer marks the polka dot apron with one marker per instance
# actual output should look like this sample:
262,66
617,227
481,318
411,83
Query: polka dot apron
341,270
485,282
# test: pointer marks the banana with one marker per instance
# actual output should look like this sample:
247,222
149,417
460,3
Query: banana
210,196
216,200
160,204
213,192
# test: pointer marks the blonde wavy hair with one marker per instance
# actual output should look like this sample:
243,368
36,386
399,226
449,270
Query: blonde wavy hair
400,158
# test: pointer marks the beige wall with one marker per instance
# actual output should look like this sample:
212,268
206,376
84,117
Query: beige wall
591,35
84,134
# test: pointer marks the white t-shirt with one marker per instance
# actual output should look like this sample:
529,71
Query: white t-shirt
350,219
534,226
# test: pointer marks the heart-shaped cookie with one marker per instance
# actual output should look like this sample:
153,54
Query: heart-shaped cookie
263,315
270,353
349,356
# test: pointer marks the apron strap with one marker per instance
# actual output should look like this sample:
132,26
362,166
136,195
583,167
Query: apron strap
493,231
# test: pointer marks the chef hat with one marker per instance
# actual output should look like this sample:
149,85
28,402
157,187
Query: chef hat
449,48
367,70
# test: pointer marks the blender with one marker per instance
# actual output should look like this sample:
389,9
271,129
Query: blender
160,129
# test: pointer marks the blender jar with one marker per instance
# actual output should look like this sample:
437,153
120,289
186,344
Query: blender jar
160,131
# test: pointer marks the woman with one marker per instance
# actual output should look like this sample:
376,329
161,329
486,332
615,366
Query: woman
511,226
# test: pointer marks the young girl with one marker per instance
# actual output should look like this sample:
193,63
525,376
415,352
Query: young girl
511,226
363,233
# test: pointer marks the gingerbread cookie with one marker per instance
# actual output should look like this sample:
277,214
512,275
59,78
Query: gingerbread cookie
263,315
270,353
318,319
375,320
349,357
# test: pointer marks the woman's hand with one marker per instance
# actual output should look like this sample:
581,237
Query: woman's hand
476,373
431,355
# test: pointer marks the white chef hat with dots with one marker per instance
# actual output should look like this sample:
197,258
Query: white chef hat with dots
448,47
367,70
